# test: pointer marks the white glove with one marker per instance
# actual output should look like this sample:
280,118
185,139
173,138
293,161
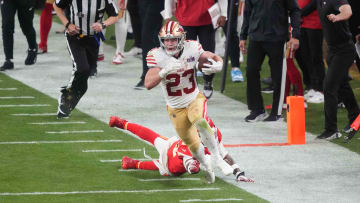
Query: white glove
164,71
214,67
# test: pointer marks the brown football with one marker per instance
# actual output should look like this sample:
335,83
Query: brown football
202,62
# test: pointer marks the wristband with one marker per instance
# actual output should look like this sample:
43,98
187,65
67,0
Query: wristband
67,25
103,25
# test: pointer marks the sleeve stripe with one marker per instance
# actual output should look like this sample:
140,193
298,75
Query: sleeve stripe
152,63
150,59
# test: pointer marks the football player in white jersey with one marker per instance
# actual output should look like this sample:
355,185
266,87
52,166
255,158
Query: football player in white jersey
173,67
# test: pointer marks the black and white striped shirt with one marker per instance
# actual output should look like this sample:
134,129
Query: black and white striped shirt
83,13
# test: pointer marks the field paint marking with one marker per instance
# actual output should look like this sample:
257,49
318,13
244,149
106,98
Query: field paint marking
9,89
210,200
19,97
105,192
119,160
167,179
57,142
74,131
129,170
34,114
113,150
256,145
23,105
58,123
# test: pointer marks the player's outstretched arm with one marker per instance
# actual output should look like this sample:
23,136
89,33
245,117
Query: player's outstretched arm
239,175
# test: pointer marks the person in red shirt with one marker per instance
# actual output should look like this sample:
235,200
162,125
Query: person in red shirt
194,17
309,56
175,157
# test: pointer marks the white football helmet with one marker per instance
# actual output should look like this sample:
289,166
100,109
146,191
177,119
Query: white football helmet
172,30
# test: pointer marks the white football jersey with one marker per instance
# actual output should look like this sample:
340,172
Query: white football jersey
179,86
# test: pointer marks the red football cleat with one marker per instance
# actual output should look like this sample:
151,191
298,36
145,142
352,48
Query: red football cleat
129,163
117,122
101,57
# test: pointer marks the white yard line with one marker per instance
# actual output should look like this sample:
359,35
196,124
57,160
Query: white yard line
8,89
119,160
113,150
167,179
34,114
105,192
129,170
210,200
58,142
19,97
74,131
58,123
23,105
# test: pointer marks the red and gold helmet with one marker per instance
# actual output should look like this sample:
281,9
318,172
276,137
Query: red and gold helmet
172,30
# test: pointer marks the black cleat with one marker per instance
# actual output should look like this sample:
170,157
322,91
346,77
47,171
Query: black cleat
64,105
350,136
208,89
272,118
31,57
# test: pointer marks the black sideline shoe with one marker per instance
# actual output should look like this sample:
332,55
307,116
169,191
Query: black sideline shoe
256,116
8,65
140,85
329,135
271,118
31,57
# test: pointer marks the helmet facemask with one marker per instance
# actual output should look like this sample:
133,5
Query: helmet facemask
172,30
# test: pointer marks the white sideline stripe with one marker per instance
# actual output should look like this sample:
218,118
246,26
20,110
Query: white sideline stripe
23,105
119,160
74,131
113,150
167,179
56,142
9,89
105,191
58,123
34,114
128,170
19,97
210,200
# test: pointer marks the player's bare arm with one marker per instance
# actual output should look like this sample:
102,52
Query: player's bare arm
152,78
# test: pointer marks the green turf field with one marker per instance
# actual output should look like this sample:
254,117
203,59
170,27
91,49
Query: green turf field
56,165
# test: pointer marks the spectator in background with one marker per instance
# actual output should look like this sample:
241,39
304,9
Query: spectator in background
309,56
266,24
45,25
120,33
151,21
25,11
234,50
196,21
133,8
341,54
354,24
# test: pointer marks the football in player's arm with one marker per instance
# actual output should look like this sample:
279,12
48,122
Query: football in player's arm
175,157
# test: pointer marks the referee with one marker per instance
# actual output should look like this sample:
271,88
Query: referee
83,34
